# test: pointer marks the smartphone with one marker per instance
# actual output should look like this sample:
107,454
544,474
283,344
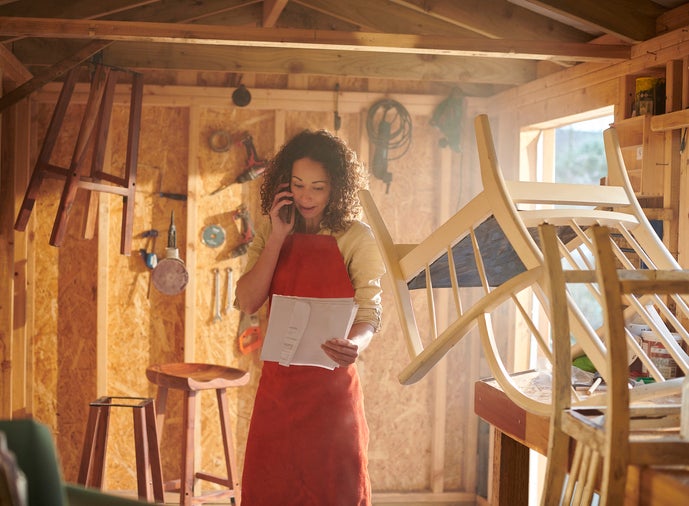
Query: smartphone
286,211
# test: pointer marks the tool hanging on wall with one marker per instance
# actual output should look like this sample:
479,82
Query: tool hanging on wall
228,302
250,335
170,276
169,195
253,168
337,120
216,298
389,128
148,255
213,236
220,141
246,230
447,117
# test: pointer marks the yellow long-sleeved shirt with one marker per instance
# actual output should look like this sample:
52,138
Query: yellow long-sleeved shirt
362,260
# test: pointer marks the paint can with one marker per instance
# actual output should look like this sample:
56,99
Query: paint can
649,96
658,353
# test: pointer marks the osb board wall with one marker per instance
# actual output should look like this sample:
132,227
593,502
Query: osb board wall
144,329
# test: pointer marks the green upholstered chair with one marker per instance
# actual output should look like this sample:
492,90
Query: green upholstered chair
34,450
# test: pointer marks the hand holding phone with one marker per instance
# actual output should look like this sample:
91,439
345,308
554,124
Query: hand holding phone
286,212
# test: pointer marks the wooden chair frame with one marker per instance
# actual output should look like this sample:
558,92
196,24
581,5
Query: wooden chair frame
610,437
518,207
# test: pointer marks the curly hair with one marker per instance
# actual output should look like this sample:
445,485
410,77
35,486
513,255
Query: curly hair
346,173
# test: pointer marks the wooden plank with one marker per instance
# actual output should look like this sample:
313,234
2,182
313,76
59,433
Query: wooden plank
510,460
271,11
423,498
440,374
670,120
683,210
672,155
296,38
381,17
8,197
14,70
261,99
631,20
493,20
194,190
52,73
148,55
17,362
103,286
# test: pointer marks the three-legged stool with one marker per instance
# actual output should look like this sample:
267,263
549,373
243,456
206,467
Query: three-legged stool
149,474
192,378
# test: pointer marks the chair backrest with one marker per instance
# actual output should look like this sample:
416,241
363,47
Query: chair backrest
496,233
618,289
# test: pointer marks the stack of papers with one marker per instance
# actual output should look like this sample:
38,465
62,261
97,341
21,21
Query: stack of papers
297,326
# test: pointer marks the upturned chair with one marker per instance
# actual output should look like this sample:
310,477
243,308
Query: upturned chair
492,243
609,437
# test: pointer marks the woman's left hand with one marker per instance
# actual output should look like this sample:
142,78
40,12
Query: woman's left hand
342,351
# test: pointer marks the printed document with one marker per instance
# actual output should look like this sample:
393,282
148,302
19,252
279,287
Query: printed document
297,326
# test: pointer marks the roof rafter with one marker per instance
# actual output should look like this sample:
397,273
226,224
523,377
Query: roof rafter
271,11
629,20
309,39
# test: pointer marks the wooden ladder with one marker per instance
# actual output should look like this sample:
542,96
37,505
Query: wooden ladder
93,133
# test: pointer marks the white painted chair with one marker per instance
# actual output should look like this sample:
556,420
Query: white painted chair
505,216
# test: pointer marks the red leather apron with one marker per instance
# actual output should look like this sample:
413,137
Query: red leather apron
308,437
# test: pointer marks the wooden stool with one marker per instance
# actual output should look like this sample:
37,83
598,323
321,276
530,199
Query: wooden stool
192,378
83,172
149,474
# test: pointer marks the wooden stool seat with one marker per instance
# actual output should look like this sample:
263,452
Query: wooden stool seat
191,378
187,376
149,474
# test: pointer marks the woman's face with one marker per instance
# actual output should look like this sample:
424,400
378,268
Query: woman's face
311,188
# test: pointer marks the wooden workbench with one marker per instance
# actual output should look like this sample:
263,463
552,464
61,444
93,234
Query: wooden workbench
517,431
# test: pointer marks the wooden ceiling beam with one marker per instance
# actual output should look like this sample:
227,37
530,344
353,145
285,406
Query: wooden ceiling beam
628,20
379,17
495,19
271,11
79,9
310,39
178,11
52,73
481,72
13,70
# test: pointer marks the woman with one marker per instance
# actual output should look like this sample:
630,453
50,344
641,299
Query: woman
308,436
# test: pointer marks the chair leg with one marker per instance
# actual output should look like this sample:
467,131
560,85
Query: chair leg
77,166
131,163
141,451
230,461
92,465
46,150
154,453
161,404
189,424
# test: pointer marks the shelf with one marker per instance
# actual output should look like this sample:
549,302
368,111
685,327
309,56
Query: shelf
670,121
